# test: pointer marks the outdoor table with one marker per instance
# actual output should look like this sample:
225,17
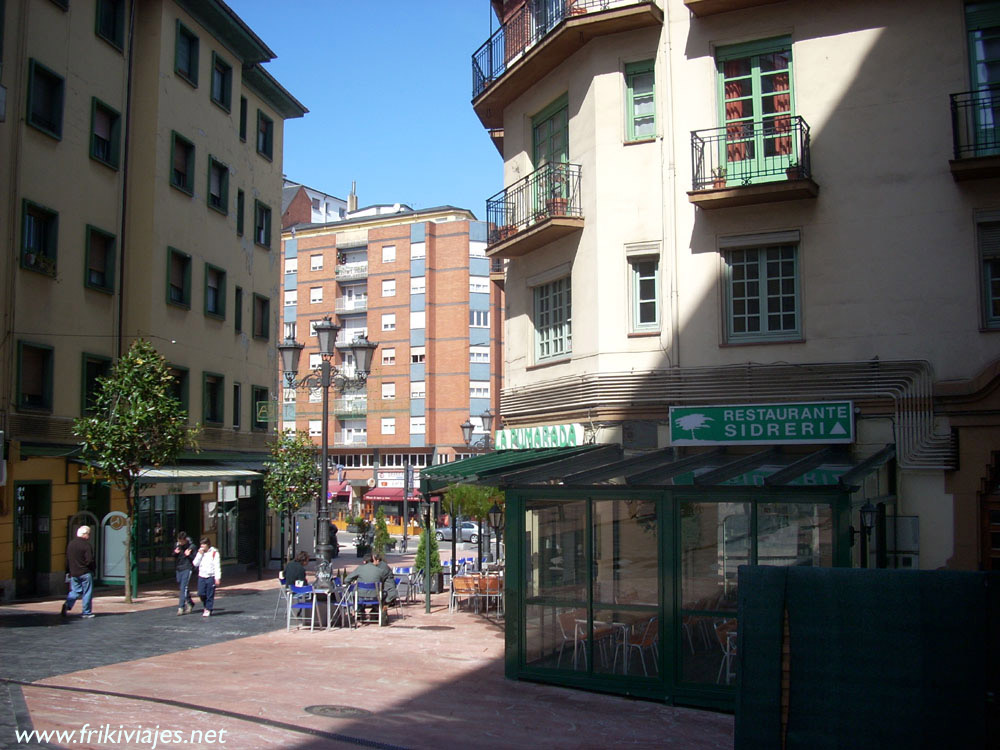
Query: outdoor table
327,592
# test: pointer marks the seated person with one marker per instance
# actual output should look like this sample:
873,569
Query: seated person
295,570
389,593
369,572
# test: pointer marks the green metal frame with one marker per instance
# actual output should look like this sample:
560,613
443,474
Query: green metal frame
188,184
109,261
36,67
116,133
223,207
222,98
185,301
192,61
220,313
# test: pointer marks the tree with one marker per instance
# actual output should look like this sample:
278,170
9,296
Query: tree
476,500
382,538
453,503
420,562
135,422
293,477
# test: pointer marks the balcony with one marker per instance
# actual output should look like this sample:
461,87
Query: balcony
348,305
348,335
350,407
975,128
352,271
711,7
537,38
534,211
498,270
749,163
357,440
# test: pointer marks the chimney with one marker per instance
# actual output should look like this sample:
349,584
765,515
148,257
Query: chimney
352,199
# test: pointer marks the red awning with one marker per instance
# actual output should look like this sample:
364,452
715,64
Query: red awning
390,495
339,488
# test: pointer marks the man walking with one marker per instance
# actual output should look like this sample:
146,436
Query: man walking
81,565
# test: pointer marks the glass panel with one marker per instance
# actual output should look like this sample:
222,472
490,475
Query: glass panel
555,566
795,534
554,638
714,542
708,649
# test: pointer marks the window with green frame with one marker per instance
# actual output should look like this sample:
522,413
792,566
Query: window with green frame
265,135
213,397
550,145
640,102
46,96
215,292
644,289
34,376
238,310
218,186
94,366
988,239
237,405
182,163
178,278
259,394
99,268
756,108
240,210
222,82
762,293
179,388
186,54
553,320
262,224
105,133
261,317
243,119
109,23
39,238
982,23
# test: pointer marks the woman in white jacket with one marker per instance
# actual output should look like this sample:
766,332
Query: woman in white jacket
209,566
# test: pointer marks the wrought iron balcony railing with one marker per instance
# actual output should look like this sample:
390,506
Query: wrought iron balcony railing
975,123
548,192
750,153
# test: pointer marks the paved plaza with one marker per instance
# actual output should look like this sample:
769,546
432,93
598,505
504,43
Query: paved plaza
239,680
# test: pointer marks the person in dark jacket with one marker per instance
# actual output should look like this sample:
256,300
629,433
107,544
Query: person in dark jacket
389,594
184,552
80,565
295,570
369,572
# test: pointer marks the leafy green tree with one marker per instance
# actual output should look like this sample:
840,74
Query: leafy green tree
293,477
382,538
476,502
135,422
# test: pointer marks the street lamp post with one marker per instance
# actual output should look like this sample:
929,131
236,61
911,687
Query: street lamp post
485,443
867,513
496,521
425,509
291,350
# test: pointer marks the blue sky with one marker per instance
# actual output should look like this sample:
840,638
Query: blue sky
388,85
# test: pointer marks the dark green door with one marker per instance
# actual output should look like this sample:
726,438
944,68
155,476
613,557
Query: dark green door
550,150
32,537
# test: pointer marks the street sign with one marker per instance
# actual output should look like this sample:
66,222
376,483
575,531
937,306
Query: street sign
763,424
266,411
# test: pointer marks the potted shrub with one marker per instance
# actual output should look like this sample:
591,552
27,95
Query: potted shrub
795,171
719,177
437,570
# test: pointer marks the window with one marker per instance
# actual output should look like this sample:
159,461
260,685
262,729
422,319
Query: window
640,103
182,164
479,284
291,297
34,376
261,317
262,224
315,395
222,82
289,395
46,92
237,405
479,354
550,145
316,294
418,319
265,135
291,265
238,310
389,356
388,425
418,250
388,391
418,425
110,23
212,398
315,361
479,318
644,286
418,389
388,287
389,322
105,133
94,367
553,320
389,254
479,388
762,293
312,327
99,269
289,329
39,238
243,119
240,208
178,278
315,427
186,54
215,291
417,355
988,238
260,403
179,386
418,284
315,262
218,186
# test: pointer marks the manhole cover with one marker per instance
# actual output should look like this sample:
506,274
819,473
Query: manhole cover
435,627
338,712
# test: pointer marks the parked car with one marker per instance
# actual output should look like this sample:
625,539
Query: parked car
469,531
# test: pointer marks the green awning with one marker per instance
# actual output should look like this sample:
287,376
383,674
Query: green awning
490,466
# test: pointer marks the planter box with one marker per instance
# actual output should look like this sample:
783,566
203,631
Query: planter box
557,206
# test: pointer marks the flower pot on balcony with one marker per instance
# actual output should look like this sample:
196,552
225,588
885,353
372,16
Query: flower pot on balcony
557,206
507,230
795,172
577,10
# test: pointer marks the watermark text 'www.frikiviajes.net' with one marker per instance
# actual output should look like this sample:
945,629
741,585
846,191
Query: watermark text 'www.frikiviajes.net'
107,734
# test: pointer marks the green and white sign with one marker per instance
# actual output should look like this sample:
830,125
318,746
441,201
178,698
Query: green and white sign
546,436
763,424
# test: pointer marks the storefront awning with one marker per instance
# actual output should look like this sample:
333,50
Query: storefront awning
339,489
205,473
390,495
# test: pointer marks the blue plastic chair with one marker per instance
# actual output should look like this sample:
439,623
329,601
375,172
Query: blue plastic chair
367,595
299,601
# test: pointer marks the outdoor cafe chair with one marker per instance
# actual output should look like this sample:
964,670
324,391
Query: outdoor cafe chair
343,603
642,639
300,601
725,632
463,587
367,595
283,594
492,589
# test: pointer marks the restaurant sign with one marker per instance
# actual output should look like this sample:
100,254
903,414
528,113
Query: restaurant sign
545,436
763,424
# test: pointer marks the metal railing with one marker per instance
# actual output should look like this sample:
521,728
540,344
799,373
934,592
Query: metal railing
351,304
975,123
350,335
524,29
352,271
350,406
748,153
552,190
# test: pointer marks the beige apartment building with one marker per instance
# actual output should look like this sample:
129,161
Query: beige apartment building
141,163
751,304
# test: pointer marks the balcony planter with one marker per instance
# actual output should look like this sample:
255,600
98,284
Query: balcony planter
719,177
507,230
795,172
576,10
557,206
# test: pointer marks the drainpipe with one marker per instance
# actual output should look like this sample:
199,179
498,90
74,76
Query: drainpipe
124,188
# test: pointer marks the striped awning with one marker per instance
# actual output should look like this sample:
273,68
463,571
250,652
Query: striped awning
189,473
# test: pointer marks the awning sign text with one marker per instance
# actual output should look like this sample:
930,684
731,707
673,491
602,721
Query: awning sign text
545,436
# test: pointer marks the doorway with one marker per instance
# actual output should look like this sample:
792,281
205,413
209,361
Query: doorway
32,537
